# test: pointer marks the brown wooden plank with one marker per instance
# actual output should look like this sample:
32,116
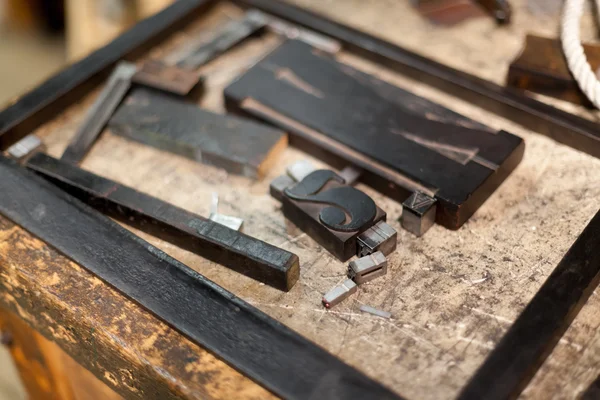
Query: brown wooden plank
121,344
46,371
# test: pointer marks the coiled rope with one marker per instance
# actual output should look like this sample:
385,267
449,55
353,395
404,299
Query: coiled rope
576,59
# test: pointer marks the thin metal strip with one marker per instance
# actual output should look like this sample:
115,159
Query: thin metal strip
566,128
250,341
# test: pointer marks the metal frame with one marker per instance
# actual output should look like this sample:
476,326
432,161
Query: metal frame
515,360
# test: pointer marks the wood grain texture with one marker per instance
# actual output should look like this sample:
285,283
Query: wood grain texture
238,145
98,334
537,330
452,295
47,371
250,341
461,161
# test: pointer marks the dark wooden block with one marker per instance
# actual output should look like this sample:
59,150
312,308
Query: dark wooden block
237,145
235,250
402,141
322,197
169,78
541,68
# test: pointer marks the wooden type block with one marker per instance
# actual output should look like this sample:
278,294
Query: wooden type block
237,145
332,213
168,78
402,142
541,68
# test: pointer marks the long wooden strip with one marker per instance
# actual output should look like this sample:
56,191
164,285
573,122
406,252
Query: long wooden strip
242,253
98,115
65,88
250,341
566,128
535,333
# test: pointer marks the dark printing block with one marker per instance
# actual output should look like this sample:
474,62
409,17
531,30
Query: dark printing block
403,142
237,145
332,213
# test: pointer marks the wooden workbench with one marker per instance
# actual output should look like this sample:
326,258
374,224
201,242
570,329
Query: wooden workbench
451,294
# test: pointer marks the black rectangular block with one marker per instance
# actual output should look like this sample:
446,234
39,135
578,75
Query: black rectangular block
402,141
238,145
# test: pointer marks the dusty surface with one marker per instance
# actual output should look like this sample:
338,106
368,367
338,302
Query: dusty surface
451,294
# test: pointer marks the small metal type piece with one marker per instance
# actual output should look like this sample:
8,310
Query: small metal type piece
367,268
229,221
350,174
97,117
168,78
300,170
278,185
374,311
418,213
380,237
25,147
339,293
292,31
200,52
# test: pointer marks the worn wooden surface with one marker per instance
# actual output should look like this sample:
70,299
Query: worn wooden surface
451,294
46,371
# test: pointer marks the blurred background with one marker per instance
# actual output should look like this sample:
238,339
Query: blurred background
37,39
32,47
32,43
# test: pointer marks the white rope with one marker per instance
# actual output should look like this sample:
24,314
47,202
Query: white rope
576,59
